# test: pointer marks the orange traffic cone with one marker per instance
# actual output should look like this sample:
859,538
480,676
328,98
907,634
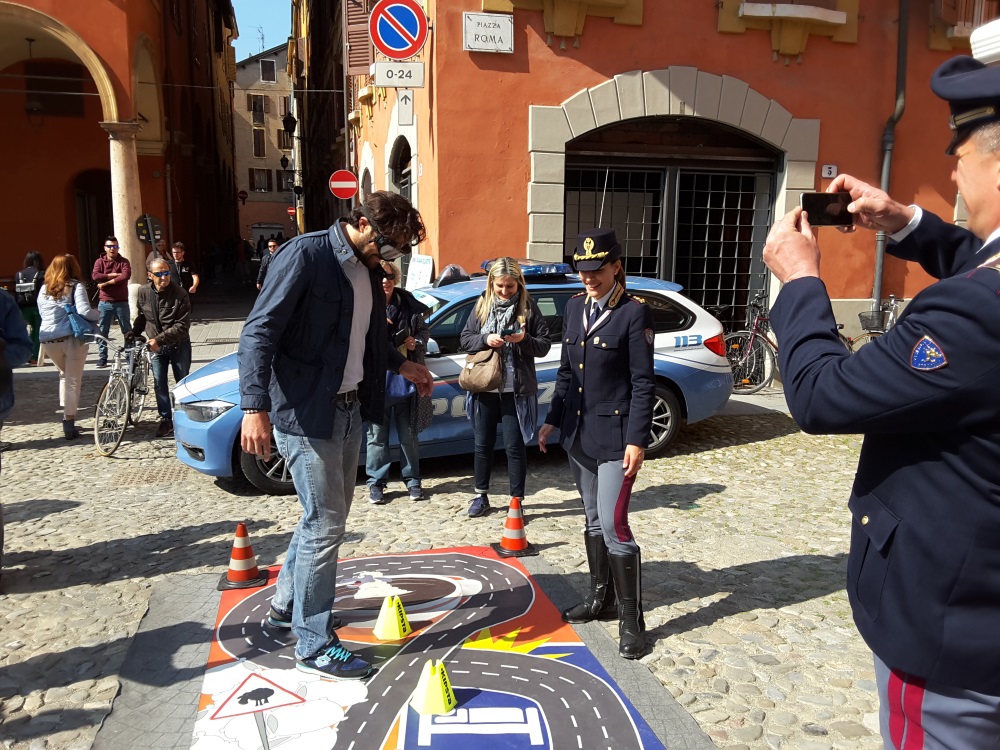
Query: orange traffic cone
514,542
243,572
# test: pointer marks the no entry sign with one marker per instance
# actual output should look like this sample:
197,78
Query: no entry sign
398,28
291,210
343,184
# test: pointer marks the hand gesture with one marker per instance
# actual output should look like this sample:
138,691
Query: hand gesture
872,208
791,250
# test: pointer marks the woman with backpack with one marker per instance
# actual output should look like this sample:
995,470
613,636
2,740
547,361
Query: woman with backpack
63,287
27,282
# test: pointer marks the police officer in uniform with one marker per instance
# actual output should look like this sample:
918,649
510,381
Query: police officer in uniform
923,574
603,407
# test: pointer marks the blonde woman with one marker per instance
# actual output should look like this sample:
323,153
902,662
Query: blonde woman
63,287
507,319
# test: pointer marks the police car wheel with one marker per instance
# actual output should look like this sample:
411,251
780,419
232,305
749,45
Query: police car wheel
271,476
666,421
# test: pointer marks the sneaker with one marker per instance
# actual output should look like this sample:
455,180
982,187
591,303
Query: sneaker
102,363
164,428
416,492
375,496
336,663
480,506
282,618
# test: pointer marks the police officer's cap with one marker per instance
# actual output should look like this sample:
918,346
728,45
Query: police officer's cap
595,248
972,91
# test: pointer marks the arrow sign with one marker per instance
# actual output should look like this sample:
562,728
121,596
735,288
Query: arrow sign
343,184
398,28
404,112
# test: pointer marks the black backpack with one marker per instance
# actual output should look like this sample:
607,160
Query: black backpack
25,289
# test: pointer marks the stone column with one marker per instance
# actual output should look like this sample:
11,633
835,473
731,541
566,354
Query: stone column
126,200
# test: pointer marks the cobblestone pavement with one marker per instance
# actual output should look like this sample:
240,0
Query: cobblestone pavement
743,527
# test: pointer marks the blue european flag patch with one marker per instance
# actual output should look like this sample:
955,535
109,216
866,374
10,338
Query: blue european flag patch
927,355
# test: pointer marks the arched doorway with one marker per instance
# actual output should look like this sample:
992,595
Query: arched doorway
400,160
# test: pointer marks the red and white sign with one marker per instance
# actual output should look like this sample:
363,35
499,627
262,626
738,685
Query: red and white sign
398,28
343,184
256,694
243,195
291,210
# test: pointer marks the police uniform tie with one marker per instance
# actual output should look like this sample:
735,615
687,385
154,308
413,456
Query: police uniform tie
595,311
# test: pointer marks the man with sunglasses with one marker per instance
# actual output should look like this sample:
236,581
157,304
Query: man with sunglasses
165,319
312,361
111,273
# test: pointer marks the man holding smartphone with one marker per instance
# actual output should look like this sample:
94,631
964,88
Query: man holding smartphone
923,574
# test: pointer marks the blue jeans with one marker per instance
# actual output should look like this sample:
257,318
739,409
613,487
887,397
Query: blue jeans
492,409
178,358
109,310
324,470
377,458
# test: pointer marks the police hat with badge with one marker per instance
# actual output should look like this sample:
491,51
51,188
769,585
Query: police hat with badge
596,248
972,90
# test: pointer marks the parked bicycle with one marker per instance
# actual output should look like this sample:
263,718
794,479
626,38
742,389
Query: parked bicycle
873,324
122,401
752,352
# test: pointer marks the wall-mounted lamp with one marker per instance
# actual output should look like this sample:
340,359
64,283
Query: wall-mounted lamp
283,161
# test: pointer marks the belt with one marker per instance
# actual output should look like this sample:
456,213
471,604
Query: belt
56,341
348,398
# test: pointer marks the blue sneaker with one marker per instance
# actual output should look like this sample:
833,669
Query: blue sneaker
480,506
336,663
375,496
282,618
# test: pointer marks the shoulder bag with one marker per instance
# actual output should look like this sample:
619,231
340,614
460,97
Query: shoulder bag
481,372
397,389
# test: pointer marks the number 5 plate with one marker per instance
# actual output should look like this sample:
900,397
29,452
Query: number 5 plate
398,75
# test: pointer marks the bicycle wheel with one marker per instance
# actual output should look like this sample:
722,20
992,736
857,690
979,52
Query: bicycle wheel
139,390
863,339
111,416
751,360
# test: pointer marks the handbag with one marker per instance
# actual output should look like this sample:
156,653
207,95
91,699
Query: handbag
481,372
83,329
397,389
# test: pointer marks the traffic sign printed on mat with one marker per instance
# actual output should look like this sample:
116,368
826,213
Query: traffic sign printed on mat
398,28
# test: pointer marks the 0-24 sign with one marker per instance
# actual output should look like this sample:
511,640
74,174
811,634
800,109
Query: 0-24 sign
398,75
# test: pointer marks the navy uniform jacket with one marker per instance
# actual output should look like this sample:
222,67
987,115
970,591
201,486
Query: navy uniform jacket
923,574
605,388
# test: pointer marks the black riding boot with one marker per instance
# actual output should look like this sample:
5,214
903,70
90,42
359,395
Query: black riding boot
600,605
631,626
69,429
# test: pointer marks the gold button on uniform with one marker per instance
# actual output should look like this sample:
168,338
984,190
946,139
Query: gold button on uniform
578,412
617,412
864,520
581,365
580,389
604,346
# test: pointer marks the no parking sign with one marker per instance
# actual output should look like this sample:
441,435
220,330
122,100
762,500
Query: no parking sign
398,28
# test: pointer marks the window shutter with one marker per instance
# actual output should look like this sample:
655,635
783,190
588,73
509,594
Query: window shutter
252,186
267,103
278,182
269,183
249,102
284,106
359,43
947,11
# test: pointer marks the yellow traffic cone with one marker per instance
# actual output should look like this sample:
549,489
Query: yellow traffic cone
433,695
392,623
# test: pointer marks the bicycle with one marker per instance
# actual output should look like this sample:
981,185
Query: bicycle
874,324
752,352
122,401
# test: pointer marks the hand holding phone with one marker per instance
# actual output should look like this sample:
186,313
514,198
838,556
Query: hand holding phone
510,331
827,209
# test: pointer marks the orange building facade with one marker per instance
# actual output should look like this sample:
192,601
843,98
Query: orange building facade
688,127
115,109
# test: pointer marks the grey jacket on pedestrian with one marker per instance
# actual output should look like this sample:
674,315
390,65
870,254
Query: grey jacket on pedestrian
164,315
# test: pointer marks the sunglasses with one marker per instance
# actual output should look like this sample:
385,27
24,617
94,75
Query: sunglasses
387,249
160,274
111,247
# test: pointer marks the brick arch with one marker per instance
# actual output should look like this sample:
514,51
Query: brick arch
677,91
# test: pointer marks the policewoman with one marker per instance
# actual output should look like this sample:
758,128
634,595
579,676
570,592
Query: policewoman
923,575
603,407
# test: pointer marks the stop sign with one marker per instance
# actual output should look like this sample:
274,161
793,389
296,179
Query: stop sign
291,210
343,184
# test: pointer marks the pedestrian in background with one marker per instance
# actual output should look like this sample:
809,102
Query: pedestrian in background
923,575
111,273
505,318
15,348
408,333
312,359
603,407
63,287
27,283
265,261
187,272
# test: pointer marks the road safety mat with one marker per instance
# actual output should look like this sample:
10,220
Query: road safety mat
518,676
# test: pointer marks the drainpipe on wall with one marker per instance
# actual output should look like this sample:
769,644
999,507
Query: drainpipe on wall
888,141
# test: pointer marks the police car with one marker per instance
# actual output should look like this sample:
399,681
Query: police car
693,378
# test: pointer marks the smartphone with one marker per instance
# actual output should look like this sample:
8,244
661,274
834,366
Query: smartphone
510,331
827,209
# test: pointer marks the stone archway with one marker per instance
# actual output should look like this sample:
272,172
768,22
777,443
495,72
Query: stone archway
678,91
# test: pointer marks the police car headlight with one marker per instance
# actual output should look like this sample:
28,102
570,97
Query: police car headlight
205,411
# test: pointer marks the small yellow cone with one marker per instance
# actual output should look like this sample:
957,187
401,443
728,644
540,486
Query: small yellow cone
392,623
433,695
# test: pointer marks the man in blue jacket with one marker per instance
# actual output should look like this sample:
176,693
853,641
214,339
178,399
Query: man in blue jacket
923,574
312,359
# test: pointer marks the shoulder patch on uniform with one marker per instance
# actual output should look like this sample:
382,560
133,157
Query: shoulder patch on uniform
636,298
649,336
927,355
581,294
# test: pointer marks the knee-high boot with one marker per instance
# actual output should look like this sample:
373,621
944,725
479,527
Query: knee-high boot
600,604
631,626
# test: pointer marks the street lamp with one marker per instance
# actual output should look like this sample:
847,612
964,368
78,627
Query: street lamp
288,122
283,161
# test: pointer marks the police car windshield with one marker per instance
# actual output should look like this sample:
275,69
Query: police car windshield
430,300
